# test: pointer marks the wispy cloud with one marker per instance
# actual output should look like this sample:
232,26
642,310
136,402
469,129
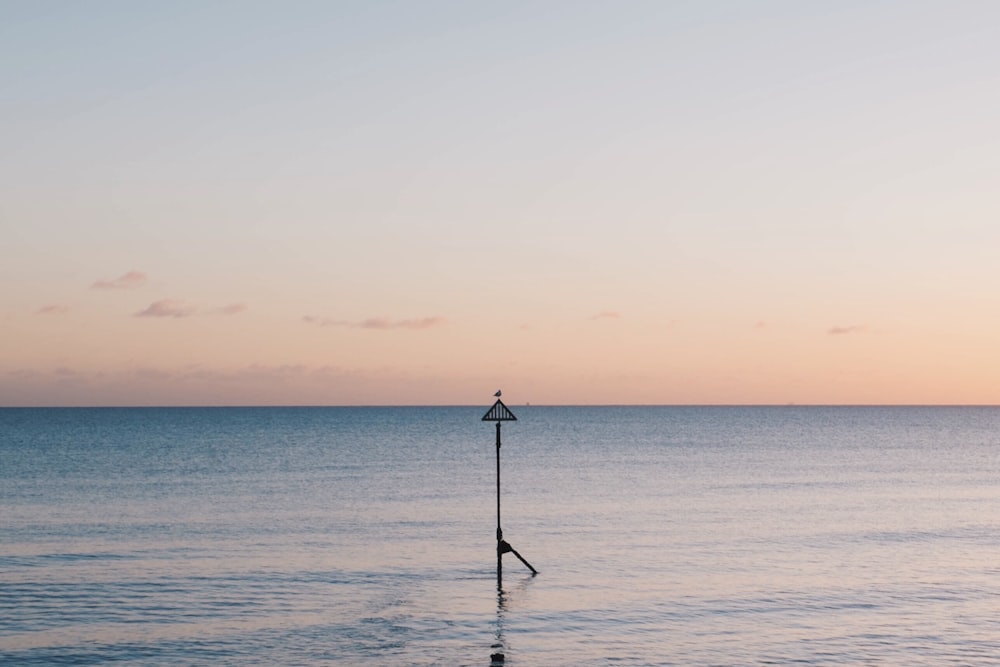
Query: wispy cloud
324,321
607,315
52,310
127,281
842,331
381,323
231,309
167,308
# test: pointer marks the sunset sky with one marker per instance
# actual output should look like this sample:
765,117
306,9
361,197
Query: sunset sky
326,203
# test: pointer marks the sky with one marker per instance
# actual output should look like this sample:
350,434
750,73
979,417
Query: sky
417,203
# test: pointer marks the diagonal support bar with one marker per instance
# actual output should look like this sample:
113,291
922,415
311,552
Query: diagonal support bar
504,547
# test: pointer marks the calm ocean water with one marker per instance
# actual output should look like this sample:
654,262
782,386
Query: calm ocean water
366,536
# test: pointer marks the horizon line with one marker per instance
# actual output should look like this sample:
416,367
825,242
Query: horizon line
519,405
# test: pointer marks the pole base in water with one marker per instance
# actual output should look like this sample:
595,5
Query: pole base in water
504,547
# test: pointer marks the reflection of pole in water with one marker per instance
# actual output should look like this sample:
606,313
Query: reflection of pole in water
505,598
497,657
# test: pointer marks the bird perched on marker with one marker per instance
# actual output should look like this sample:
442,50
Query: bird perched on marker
498,393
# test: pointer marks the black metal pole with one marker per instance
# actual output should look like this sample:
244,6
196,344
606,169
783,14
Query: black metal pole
500,413
499,531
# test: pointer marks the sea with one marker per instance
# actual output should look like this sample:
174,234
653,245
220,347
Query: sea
368,536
